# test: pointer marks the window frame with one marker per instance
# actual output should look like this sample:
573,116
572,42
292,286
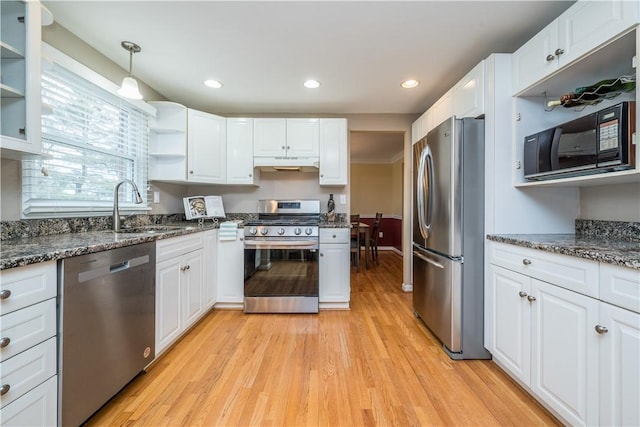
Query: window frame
57,208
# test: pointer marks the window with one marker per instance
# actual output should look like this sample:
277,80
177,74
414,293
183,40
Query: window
91,140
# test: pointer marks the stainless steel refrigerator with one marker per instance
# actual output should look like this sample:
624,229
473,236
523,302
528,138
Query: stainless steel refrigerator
448,235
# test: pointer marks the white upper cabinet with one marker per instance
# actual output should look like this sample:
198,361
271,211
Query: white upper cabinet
441,110
286,137
269,137
468,93
333,152
20,41
240,152
303,137
421,126
580,29
206,142
535,59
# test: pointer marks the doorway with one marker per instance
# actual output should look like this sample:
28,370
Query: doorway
377,180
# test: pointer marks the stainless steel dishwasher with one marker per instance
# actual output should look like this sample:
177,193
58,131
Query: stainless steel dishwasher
107,322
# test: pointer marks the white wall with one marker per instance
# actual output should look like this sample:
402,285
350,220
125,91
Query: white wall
611,202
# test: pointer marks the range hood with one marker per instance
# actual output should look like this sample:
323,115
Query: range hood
287,164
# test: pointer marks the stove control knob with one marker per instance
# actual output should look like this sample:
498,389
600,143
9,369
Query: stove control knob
308,231
281,231
264,231
253,231
297,231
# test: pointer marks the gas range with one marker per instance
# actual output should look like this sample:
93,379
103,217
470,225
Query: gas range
281,258
284,219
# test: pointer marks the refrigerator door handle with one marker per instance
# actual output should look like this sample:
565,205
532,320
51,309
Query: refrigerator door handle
430,261
430,188
426,161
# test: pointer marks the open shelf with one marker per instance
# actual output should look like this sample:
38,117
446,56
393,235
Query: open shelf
8,51
7,91
608,178
168,155
166,130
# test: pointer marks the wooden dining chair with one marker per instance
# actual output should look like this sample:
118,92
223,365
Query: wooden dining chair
373,242
355,241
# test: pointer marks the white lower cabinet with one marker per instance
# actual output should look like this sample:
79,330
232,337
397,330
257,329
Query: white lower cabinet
564,352
39,407
179,287
28,356
334,268
209,290
619,345
542,336
230,273
577,354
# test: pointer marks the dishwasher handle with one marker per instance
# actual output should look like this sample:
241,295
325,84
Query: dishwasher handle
102,271
124,265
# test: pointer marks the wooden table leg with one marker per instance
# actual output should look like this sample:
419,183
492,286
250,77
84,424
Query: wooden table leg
367,238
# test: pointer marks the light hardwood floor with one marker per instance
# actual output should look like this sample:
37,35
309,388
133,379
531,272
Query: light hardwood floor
373,365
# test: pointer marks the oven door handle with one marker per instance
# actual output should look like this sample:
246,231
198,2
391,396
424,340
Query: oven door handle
281,244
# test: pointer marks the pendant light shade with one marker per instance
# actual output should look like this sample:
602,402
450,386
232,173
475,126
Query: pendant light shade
129,87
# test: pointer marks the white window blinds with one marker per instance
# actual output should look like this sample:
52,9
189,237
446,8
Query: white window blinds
92,140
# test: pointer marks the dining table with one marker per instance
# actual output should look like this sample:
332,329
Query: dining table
363,228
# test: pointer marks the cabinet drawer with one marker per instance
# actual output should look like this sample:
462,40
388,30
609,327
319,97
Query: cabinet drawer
620,286
37,408
177,246
24,286
334,235
576,274
27,370
27,327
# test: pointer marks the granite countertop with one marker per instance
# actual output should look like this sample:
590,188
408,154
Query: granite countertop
602,249
27,250
31,250
335,224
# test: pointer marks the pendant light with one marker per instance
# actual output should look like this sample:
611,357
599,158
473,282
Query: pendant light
129,88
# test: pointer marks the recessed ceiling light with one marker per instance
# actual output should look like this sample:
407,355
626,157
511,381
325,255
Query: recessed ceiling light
312,84
408,84
213,83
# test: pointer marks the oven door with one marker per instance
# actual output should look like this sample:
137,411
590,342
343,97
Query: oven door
281,276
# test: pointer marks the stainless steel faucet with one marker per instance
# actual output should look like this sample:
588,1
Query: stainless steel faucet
116,212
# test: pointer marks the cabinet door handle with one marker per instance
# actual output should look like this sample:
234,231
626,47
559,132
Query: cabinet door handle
283,147
250,175
522,294
550,58
185,268
4,389
4,342
531,298
5,294
321,175
526,261
321,254
559,51
191,172
601,329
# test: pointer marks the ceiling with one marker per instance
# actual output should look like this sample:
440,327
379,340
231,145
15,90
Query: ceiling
262,51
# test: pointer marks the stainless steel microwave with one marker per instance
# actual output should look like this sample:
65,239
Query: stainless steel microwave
595,143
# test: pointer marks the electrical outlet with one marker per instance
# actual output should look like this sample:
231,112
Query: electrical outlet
156,197
380,235
343,199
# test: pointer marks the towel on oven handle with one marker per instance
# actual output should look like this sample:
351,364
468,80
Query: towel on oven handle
228,230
